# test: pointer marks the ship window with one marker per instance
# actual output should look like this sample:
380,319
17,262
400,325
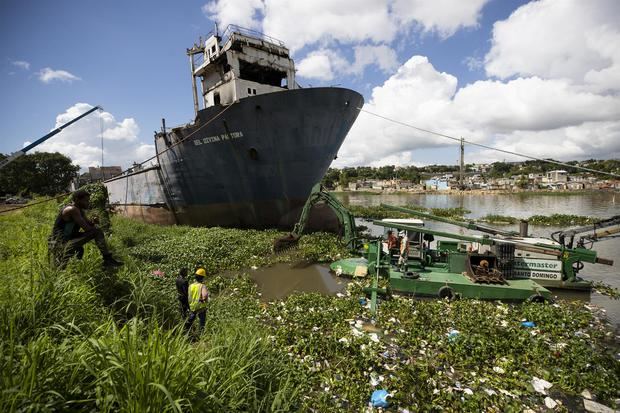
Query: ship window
249,91
254,91
261,74
213,49
216,98
253,154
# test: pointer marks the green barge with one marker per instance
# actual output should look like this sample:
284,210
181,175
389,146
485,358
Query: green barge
442,273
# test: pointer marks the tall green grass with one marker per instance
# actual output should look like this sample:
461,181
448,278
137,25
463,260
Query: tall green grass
88,339
85,339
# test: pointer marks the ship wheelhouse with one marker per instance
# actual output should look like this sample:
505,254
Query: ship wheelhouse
239,64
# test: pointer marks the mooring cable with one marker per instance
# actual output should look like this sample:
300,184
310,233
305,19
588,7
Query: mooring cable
486,146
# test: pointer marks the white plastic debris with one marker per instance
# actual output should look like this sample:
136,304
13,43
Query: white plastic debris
586,394
453,334
490,392
468,391
540,385
374,337
507,393
499,370
375,379
595,407
356,332
550,403
344,340
254,267
582,334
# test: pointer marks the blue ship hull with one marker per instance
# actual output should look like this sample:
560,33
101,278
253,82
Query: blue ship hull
254,165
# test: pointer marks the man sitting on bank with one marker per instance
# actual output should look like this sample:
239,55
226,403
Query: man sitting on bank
67,240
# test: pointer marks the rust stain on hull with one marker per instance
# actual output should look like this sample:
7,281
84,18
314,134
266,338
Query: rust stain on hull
160,215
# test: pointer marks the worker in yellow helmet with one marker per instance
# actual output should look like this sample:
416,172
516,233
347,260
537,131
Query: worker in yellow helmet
198,296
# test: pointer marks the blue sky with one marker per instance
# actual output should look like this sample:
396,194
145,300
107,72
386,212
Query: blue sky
413,66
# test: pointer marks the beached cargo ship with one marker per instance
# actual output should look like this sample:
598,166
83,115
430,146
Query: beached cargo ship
258,144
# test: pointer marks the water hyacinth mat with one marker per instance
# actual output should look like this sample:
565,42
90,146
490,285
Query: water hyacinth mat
466,355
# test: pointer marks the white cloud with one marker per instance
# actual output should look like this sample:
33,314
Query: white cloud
316,65
82,140
300,23
473,63
382,56
544,118
22,64
244,13
320,22
325,64
47,75
572,39
531,104
442,16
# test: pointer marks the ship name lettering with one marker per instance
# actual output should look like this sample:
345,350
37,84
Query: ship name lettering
218,138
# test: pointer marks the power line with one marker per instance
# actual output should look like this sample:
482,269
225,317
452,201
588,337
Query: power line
489,147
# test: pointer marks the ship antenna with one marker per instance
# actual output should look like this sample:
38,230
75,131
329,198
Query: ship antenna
217,33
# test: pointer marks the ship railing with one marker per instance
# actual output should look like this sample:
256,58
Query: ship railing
233,28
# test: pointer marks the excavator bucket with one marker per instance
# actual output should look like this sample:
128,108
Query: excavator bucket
318,195
285,242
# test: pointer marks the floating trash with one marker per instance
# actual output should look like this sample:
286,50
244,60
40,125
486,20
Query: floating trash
379,398
528,324
541,385
550,403
592,406
453,334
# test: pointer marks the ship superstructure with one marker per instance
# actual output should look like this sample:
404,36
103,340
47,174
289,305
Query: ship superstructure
239,64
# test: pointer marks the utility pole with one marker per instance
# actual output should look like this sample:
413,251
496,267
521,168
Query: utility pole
462,170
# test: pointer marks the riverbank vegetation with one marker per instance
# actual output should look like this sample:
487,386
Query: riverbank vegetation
380,212
459,214
87,339
334,176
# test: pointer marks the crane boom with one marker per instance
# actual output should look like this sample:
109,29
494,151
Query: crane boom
39,141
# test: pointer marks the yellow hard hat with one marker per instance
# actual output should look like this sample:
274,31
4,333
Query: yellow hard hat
201,272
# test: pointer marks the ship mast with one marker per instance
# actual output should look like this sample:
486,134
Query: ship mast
196,49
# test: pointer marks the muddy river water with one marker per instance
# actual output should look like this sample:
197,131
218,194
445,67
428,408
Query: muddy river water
281,280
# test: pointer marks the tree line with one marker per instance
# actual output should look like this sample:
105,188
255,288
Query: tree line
40,173
334,176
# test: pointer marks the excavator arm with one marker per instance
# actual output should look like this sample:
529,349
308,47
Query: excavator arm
4,162
318,195
603,229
